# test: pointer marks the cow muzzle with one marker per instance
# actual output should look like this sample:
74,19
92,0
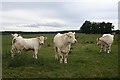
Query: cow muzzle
41,43
75,41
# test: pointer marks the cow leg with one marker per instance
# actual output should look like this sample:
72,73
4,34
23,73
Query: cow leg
60,56
108,51
69,47
13,51
65,57
36,51
33,53
102,46
19,51
12,55
56,54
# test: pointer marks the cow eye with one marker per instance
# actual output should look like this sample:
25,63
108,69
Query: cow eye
70,36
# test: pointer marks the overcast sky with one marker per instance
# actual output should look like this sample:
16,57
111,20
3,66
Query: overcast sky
55,16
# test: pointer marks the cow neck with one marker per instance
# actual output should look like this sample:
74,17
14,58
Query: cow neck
103,42
65,41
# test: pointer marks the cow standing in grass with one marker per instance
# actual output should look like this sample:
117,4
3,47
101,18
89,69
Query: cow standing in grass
106,41
33,44
62,43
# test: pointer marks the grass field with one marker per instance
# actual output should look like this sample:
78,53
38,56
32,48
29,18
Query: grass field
84,61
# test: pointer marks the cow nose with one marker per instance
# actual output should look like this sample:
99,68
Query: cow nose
41,43
75,41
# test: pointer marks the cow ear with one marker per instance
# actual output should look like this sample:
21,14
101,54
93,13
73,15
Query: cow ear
19,34
67,34
45,38
12,35
97,39
73,32
38,38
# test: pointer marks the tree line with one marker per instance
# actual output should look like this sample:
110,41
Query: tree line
96,27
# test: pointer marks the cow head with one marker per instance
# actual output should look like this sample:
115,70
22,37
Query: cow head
71,37
41,39
15,35
98,41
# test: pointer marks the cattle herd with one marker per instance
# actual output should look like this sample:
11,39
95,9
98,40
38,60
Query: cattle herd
62,44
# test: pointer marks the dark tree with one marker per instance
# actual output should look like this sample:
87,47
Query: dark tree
96,28
86,27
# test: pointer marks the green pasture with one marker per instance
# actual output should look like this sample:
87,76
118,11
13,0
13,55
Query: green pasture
84,61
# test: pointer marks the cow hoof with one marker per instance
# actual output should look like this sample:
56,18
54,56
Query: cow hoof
100,52
36,58
56,59
65,62
61,62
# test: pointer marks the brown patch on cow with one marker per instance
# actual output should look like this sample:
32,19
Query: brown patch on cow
14,40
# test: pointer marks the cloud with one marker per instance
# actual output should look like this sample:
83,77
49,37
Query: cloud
29,16
57,15
38,28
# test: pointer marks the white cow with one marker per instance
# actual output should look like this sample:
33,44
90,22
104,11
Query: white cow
106,41
62,43
32,44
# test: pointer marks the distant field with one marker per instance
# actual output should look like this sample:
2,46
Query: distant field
84,61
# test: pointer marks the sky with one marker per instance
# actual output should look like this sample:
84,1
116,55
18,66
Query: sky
56,15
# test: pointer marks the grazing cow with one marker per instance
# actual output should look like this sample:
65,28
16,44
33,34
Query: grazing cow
62,43
106,41
27,44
